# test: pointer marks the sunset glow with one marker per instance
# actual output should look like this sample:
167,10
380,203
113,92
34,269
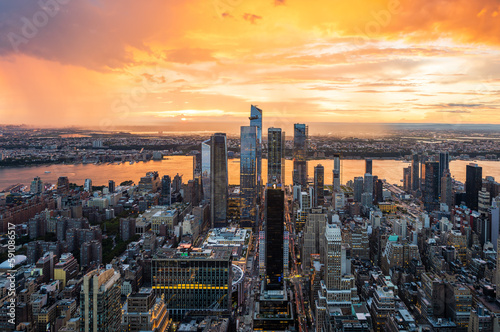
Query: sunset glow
111,63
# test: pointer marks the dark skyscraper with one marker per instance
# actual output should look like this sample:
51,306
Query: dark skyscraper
248,176
369,166
444,163
166,184
473,184
218,180
256,121
300,155
431,188
275,156
111,186
415,171
336,173
275,218
319,184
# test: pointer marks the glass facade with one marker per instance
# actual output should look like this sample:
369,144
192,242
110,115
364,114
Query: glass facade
248,176
275,218
319,185
189,283
256,121
300,155
473,184
218,180
205,168
275,156
431,192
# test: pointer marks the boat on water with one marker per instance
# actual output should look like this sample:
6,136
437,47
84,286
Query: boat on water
47,172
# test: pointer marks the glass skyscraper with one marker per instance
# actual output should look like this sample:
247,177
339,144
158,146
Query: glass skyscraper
431,188
205,168
256,121
300,155
275,156
444,163
275,228
218,180
319,185
248,176
473,184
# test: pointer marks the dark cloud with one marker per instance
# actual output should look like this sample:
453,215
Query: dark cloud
464,105
99,36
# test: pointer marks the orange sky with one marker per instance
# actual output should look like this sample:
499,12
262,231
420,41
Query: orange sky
106,63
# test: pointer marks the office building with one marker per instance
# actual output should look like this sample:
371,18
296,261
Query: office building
431,188
111,186
444,164
275,156
314,231
63,185
319,185
218,180
66,269
300,137
36,186
369,166
407,179
275,224
87,186
446,189
358,188
336,173
193,280
143,311
248,176
368,183
205,168
100,308
415,175
473,184
256,121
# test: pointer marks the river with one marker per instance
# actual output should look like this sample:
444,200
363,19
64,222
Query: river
391,170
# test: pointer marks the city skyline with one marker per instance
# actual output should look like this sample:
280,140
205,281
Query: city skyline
196,65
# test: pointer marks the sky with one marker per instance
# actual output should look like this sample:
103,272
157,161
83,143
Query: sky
200,64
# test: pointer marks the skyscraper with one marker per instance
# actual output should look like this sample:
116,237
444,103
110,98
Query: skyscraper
368,183
300,155
446,189
87,186
444,163
166,196
256,121
407,178
358,188
415,167
111,186
275,218
473,184
36,186
205,168
248,176
431,188
275,156
369,166
218,180
319,184
100,308
336,173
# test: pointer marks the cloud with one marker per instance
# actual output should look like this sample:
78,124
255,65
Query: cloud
190,55
464,105
252,18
